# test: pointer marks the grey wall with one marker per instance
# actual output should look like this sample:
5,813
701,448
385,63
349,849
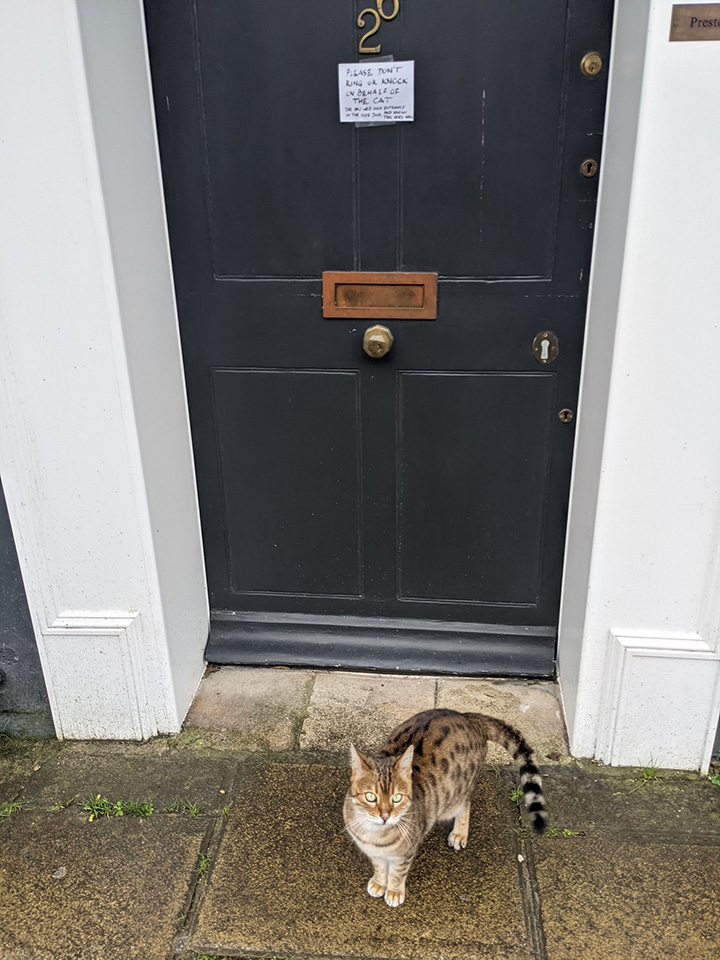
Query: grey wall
24,708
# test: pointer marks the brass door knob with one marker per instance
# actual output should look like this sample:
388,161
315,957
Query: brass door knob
377,341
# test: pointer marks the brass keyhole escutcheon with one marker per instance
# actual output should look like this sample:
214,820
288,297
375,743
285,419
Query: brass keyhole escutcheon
545,347
591,64
589,168
377,341
566,415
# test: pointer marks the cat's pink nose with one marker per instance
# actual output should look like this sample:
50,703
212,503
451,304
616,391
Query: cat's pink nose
384,817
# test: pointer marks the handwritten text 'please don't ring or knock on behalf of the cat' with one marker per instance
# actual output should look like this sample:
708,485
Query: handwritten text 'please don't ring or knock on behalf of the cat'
376,91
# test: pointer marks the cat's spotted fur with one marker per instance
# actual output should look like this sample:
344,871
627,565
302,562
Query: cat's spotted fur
426,772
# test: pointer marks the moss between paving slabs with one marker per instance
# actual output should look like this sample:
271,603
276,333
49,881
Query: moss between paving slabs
74,775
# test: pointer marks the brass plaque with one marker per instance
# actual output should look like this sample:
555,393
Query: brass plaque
388,296
695,21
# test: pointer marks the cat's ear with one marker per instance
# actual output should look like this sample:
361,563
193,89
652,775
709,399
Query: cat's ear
358,762
403,764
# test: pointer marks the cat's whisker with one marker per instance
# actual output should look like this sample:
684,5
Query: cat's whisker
356,820
409,817
409,830
355,824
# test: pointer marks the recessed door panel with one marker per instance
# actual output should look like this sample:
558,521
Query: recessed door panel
289,445
278,205
480,197
473,459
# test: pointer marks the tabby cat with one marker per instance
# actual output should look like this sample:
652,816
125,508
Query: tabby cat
425,772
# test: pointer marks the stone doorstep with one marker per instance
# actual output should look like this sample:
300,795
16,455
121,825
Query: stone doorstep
282,709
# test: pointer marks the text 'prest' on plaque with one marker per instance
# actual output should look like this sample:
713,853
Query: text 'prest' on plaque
695,21
377,92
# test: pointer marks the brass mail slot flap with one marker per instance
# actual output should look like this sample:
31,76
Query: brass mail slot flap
382,296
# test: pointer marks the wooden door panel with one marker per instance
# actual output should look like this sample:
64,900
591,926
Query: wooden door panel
278,188
473,462
289,446
480,195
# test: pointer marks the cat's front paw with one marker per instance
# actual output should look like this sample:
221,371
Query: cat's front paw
458,841
374,888
394,898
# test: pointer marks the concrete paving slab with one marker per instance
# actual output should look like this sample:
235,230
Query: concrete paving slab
158,780
604,802
361,708
288,882
254,708
616,900
534,708
19,761
110,890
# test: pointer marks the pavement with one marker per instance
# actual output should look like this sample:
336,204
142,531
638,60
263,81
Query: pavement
227,840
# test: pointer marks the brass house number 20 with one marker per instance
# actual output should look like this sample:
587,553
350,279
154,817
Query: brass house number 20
379,14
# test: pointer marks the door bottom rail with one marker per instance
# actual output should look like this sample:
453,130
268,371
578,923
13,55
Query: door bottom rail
381,644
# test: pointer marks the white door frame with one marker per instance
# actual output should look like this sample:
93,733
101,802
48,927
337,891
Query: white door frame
94,438
638,642
95,447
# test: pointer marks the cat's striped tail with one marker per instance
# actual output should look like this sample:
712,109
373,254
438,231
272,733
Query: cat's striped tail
530,780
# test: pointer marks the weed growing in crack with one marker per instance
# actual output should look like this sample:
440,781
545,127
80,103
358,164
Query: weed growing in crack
553,831
8,808
99,806
183,806
646,775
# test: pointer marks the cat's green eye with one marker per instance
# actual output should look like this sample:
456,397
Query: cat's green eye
396,797
370,797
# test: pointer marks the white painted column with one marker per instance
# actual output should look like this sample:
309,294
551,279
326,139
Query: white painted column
638,654
94,442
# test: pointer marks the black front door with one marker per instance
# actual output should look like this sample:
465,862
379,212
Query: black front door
405,512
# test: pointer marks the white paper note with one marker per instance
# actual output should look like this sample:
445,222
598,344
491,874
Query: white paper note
372,92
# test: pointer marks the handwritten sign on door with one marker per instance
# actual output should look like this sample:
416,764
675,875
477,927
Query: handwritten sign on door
377,92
